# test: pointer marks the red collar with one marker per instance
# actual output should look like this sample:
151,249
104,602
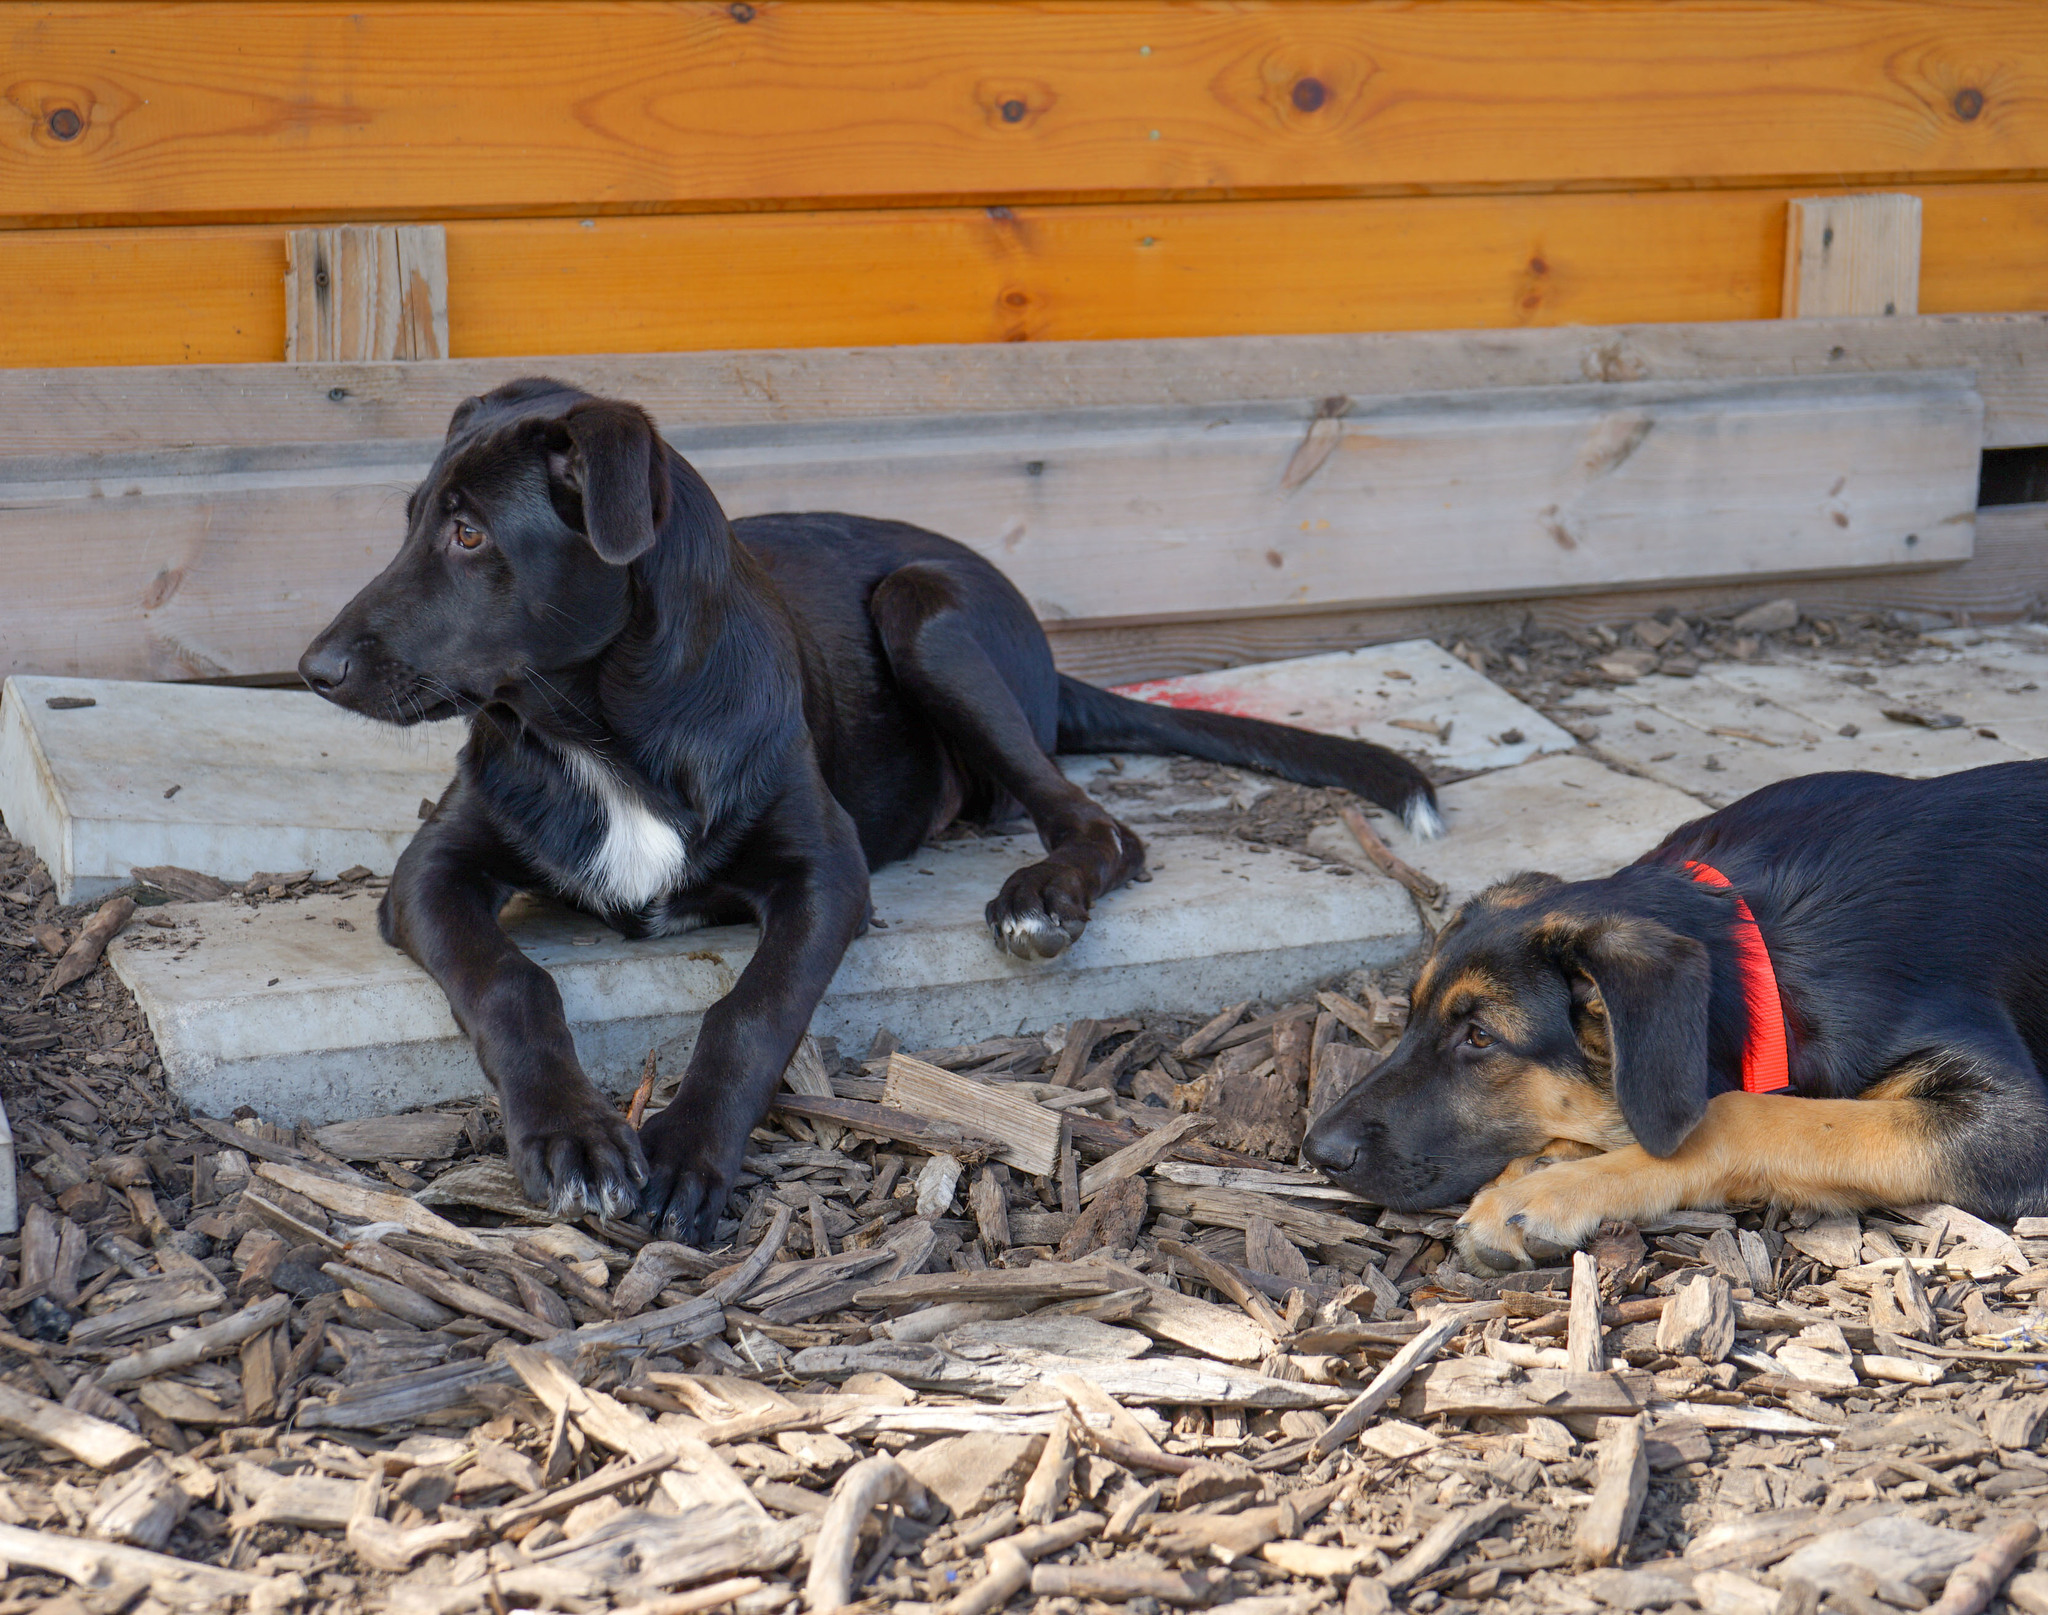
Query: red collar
1766,1066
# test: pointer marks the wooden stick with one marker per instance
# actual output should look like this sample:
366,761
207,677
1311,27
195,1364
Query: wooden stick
862,1489
743,1279
636,1107
1009,1572
1444,1538
1387,1384
1383,859
367,1205
92,941
1219,1276
1132,1159
215,1340
1584,1350
879,1121
99,1564
1977,1580
612,1478
1609,1522
97,1442
1117,1584
1046,1490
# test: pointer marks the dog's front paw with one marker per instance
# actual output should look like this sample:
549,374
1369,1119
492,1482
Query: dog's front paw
1536,1211
1040,912
690,1174
572,1152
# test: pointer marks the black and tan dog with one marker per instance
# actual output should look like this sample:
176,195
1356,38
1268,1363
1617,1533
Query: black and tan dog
676,719
1833,993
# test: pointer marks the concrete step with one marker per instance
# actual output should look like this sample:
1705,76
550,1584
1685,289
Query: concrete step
301,1011
230,782
225,781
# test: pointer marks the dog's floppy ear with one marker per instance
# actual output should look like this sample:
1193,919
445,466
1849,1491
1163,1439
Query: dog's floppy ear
1652,986
613,460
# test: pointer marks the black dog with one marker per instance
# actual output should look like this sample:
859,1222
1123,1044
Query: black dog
1885,961
676,720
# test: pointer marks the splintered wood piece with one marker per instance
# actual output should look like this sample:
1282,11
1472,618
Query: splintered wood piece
1976,1581
1184,1320
1046,1490
1585,1347
1134,1159
643,1090
214,1340
1111,1221
1699,1320
655,1266
103,1564
990,1204
1623,1481
698,1477
733,1290
1234,1208
1544,1391
1074,1052
140,1507
1387,1384
1038,1283
860,1491
966,1144
937,1182
361,1204
90,943
161,1301
1028,1133
1256,1106
1268,1250
1205,1037
1443,1539
1221,1277
1114,1583
421,1135
1091,1403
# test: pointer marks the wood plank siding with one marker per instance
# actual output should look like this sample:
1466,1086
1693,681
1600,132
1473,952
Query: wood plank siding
663,175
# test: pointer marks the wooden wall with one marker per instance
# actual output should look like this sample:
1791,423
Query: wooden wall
658,175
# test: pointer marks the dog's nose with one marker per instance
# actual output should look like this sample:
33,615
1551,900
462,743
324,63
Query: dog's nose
324,667
1328,1149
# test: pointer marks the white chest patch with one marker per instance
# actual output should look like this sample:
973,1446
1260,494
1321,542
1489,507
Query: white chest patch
639,857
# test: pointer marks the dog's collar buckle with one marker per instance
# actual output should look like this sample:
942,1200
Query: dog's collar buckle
1766,1062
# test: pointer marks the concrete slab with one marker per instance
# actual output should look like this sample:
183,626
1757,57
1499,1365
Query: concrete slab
1413,696
301,1011
226,781
1569,816
1737,727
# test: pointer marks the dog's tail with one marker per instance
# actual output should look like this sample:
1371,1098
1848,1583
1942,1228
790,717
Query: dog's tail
1099,720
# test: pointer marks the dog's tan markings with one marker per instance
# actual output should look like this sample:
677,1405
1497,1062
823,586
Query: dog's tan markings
1517,891
1832,1154
1565,1105
1424,990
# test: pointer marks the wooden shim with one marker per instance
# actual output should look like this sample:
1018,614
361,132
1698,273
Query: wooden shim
1851,255
367,1205
1543,1390
1585,1345
1029,1133
363,292
97,1442
1234,1208
1040,1282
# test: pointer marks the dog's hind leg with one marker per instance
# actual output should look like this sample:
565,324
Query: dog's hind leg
977,665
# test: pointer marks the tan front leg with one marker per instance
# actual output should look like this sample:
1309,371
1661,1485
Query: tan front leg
1835,1153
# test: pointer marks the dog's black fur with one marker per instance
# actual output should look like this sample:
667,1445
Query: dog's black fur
676,719
1907,925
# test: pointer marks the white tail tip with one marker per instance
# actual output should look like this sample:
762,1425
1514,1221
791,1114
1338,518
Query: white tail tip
1423,821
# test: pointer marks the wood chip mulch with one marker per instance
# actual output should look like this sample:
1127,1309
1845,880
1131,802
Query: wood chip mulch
1052,1322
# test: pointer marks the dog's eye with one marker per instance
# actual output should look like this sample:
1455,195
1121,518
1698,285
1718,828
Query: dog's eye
1478,1037
468,537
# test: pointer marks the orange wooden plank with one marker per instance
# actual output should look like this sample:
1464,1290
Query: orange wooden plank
327,107
823,279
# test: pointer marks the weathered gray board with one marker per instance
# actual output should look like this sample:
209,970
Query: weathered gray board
282,1008
208,563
